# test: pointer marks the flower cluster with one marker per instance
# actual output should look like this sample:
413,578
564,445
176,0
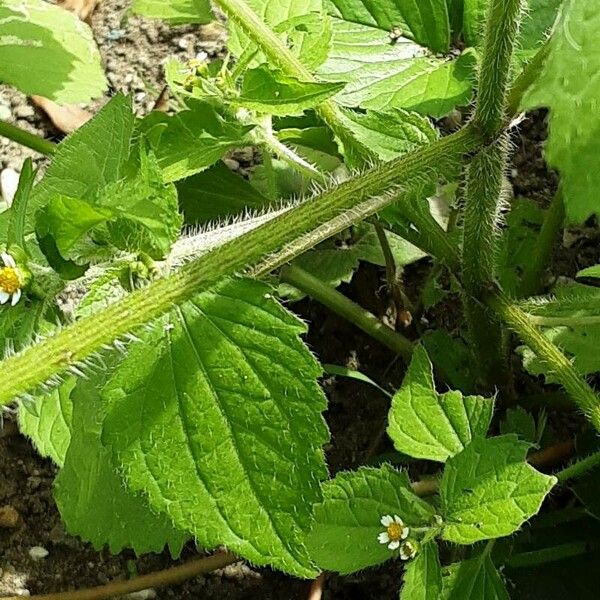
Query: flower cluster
395,535
11,280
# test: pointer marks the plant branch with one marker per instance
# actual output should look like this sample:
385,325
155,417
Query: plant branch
553,220
346,308
579,468
258,251
171,576
35,142
279,54
557,363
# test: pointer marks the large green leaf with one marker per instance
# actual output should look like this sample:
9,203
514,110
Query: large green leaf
87,160
569,86
426,424
46,419
423,575
193,139
473,20
48,51
489,490
216,416
175,12
346,524
389,134
383,76
474,578
426,20
90,494
272,92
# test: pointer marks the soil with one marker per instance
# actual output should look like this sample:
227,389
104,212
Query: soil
134,50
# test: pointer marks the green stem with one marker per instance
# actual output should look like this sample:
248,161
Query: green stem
35,142
352,312
502,26
553,221
257,251
579,468
279,54
548,555
557,363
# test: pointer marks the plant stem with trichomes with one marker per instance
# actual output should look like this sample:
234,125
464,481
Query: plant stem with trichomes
25,138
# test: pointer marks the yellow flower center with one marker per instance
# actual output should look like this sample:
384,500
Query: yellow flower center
394,531
9,280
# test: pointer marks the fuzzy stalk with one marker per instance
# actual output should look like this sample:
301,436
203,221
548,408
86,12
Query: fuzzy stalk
557,363
501,29
279,54
257,251
25,138
346,308
483,192
553,221
580,468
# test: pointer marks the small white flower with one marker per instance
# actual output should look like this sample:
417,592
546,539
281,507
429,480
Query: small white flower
408,550
395,531
11,280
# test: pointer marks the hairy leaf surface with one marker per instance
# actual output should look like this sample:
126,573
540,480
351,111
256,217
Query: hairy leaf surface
423,575
347,522
425,424
216,417
489,491
474,578
48,51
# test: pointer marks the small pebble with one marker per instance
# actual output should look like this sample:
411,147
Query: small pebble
5,113
24,111
148,594
38,553
9,182
233,164
183,43
9,517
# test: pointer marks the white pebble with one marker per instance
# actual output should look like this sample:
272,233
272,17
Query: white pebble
183,43
9,182
38,553
148,594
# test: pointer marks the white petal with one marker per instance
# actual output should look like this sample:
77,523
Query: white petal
4,297
394,545
16,297
386,520
405,533
398,520
8,260
383,538
403,555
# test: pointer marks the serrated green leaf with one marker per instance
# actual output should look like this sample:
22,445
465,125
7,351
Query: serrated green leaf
425,424
48,51
343,537
537,22
488,490
568,86
217,193
520,422
15,233
382,76
473,20
87,160
195,139
593,271
46,420
571,320
423,575
216,416
316,144
389,134
474,578
175,12
272,92
90,495
426,21
275,13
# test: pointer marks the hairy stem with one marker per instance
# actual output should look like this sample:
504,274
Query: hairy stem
553,221
346,308
171,576
502,26
257,251
35,142
557,363
579,468
279,54
550,554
